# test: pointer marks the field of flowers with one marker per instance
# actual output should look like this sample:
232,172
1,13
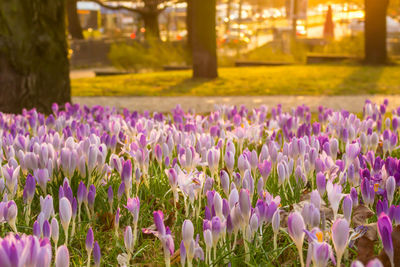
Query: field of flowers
263,187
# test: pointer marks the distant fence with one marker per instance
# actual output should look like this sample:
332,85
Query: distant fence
92,53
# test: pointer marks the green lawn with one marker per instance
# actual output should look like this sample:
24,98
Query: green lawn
284,80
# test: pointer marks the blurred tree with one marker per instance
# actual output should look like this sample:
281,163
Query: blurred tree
149,11
375,31
228,15
204,39
74,25
34,68
189,12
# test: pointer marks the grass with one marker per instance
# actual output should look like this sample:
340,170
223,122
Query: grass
282,80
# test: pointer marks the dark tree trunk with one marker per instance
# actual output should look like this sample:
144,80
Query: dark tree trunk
204,39
74,25
375,31
34,68
151,25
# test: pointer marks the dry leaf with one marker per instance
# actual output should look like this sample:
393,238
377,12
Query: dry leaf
360,215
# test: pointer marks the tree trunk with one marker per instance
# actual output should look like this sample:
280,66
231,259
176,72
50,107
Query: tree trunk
74,25
150,19
375,31
204,39
34,68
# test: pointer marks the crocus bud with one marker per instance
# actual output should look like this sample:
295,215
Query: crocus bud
96,254
385,232
229,161
225,208
374,263
128,239
217,204
46,229
54,231
62,257
36,229
65,210
82,193
187,232
224,177
121,190
29,189
244,204
216,229
110,196
357,264
254,223
281,173
347,207
321,253
276,220
334,147
321,183
89,240
208,238
315,199
296,231
126,174
354,196
74,206
42,177
390,188
10,214
340,236
265,169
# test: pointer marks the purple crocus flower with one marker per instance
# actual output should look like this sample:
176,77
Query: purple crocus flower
10,214
24,250
133,206
164,234
334,196
62,256
36,229
321,253
65,210
89,244
276,220
96,254
91,198
229,161
390,188
46,230
126,176
296,231
42,177
385,232
29,189
367,192
54,231
347,207
110,196
265,169
321,183
340,235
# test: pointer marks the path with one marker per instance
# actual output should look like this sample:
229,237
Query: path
206,104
